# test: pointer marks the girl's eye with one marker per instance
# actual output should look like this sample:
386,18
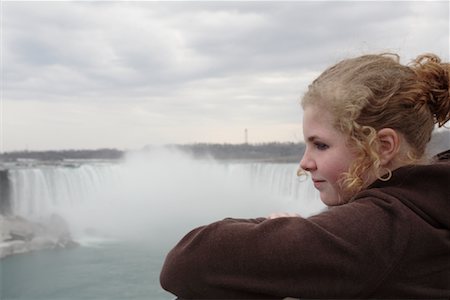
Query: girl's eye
321,146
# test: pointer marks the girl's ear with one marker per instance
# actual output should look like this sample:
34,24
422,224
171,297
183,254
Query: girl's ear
389,145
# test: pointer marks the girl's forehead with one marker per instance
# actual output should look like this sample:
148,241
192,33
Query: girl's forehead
315,114
318,122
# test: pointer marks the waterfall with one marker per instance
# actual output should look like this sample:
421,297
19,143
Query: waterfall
148,193
43,189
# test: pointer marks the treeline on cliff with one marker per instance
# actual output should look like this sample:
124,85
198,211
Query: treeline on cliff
55,155
276,152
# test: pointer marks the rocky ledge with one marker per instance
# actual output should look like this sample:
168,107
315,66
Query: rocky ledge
18,235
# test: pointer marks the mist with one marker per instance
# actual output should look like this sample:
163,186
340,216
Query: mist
159,195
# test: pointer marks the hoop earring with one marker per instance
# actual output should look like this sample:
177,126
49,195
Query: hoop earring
386,176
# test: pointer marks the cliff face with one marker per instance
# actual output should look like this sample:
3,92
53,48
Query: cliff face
5,207
18,235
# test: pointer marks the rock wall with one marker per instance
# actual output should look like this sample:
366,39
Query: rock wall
5,207
18,235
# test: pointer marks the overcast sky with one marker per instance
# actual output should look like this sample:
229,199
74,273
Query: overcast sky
96,74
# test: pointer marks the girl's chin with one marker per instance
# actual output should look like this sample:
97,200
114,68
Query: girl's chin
331,200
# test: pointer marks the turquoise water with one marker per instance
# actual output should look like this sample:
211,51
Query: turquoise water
113,270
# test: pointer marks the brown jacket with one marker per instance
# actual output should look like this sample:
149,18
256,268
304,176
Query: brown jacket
392,241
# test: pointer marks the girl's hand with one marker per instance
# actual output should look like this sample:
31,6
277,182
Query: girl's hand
282,215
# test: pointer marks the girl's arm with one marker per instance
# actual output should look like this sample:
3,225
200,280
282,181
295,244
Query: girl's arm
342,252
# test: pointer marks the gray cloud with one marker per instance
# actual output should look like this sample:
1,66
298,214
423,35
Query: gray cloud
176,66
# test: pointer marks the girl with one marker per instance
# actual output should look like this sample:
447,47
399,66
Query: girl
367,122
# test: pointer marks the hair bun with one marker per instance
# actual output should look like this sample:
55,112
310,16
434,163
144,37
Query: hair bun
435,78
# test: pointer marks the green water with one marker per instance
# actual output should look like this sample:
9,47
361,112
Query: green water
105,271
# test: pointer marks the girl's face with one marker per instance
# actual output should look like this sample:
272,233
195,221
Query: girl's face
327,155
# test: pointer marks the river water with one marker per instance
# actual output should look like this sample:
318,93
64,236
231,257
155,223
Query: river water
126,217
110,270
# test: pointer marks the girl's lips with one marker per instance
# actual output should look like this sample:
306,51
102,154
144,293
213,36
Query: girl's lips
318,183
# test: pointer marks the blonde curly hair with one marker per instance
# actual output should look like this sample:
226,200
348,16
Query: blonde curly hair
371,92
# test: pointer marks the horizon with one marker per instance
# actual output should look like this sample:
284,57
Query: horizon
145,147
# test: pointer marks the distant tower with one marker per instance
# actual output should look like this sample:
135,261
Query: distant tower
246,136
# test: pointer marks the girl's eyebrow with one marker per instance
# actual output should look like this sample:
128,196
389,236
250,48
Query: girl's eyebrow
312,138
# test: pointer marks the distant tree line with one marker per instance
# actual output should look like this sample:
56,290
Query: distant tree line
276,152
55,155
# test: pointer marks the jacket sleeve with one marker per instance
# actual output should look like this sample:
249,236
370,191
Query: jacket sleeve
343,252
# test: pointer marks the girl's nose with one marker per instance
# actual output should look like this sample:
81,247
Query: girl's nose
307,163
